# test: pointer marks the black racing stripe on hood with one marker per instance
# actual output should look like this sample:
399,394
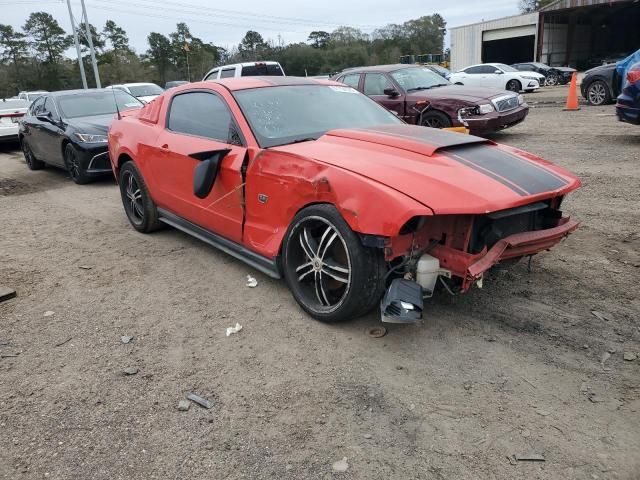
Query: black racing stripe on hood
520,175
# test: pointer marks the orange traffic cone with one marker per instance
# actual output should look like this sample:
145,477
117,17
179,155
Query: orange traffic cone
572,98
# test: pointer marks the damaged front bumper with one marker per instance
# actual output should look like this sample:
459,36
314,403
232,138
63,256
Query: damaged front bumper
470,267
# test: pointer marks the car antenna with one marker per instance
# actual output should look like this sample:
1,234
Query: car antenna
113,90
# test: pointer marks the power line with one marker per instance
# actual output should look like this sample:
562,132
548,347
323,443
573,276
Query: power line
189,19
200,11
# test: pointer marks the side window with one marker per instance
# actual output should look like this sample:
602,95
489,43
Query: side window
204,115
228,73
352,80
489,69
474,70
212,76
36,106
375,83
48,106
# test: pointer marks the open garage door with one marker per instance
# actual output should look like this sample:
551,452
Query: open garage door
509,50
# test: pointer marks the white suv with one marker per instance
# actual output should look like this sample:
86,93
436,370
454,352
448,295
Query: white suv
248,69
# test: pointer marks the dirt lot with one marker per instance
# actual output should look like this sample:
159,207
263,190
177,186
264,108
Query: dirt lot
519,367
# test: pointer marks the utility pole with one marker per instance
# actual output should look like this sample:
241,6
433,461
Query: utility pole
75,39
90,40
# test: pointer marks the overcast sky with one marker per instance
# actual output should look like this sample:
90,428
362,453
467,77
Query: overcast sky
225,23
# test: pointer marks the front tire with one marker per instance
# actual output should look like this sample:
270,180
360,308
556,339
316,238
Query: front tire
138,205
331,275
435,120
74,166
598,93
514,86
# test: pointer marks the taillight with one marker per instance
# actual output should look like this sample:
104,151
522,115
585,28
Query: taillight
633,76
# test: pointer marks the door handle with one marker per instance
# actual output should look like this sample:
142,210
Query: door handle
165,148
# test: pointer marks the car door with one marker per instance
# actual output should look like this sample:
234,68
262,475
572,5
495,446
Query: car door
374,86
32,127
51,133
470,76
200,122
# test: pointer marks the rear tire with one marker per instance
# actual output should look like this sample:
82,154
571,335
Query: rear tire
138,205
435,120
514,86
30,159
72,162
331,275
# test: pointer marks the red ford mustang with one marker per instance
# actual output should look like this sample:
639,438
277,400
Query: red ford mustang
314,182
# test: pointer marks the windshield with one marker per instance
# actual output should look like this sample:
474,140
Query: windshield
413,79
505,68
145,90
289,114
96,103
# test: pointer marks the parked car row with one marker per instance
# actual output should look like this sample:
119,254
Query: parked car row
314,182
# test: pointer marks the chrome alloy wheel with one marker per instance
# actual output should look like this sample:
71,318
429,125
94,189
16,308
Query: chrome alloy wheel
133,204
320,259
597,93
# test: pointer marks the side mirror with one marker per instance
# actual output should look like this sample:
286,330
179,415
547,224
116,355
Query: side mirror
45,117
391,92
204,175
498,72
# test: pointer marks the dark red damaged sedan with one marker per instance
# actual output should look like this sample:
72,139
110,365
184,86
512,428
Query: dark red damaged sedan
421,97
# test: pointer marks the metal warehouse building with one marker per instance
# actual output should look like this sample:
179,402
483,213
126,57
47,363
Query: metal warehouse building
579,33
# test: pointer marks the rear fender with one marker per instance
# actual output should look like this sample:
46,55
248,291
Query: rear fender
281,184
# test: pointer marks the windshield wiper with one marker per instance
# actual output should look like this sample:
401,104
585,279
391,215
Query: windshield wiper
300,140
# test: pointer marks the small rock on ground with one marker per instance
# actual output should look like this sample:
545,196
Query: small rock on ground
126,339
630,356
130,370
340,466
183,405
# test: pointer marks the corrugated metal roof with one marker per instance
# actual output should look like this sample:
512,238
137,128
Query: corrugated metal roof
565,4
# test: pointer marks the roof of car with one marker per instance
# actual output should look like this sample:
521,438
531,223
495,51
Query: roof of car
381,68
246,64
243,83
79,91
133,84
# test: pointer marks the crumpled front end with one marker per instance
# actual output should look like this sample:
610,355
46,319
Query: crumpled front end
466,246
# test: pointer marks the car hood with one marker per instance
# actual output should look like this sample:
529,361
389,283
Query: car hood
601,69
97,125
448,172
564,69
457,92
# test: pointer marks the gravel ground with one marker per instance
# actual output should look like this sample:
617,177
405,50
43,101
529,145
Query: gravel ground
520,367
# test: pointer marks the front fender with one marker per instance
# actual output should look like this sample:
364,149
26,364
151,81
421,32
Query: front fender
280,184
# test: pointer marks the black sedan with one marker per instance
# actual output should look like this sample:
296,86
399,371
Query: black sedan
553,75
68,129
601,85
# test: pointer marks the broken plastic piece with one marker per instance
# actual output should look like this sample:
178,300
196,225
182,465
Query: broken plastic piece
235,329
251,282
203,402
403,302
